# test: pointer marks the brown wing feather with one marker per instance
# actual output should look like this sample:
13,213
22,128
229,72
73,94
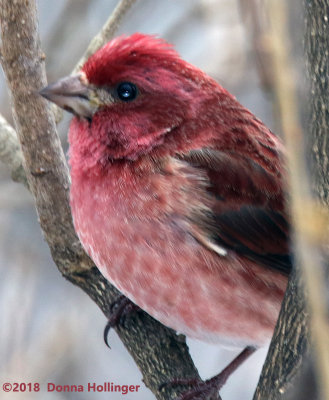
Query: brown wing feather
248,215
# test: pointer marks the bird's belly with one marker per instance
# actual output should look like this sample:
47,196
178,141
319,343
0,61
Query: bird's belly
175,279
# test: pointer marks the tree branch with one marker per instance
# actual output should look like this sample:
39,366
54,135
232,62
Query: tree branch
317,57
156,349
309,230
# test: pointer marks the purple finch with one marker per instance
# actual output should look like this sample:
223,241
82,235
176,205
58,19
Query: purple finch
177,192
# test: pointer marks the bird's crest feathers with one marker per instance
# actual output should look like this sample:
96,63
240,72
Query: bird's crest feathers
128,50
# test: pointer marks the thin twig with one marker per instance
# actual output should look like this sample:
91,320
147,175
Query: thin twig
256,23
107,32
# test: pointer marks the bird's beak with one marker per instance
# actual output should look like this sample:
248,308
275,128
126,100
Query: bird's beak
72,94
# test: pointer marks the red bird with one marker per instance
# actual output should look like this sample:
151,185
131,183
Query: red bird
177,192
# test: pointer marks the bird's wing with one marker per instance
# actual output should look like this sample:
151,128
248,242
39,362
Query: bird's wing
247,214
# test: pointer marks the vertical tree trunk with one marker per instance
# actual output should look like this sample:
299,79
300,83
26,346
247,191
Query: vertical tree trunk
290,344
317,58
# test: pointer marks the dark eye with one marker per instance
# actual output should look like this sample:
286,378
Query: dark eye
127,91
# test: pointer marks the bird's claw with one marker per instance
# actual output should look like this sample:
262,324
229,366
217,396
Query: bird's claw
209,389
119,310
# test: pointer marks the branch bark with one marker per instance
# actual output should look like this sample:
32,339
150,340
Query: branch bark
159,353
288,345
317,57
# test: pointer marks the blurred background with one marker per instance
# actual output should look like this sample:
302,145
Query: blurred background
51,331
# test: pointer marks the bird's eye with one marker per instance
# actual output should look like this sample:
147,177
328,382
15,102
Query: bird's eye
127,91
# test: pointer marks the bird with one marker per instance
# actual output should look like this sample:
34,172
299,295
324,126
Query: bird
178,194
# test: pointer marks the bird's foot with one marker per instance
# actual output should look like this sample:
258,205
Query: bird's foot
208,390
119,310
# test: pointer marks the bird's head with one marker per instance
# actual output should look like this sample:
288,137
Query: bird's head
133,96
